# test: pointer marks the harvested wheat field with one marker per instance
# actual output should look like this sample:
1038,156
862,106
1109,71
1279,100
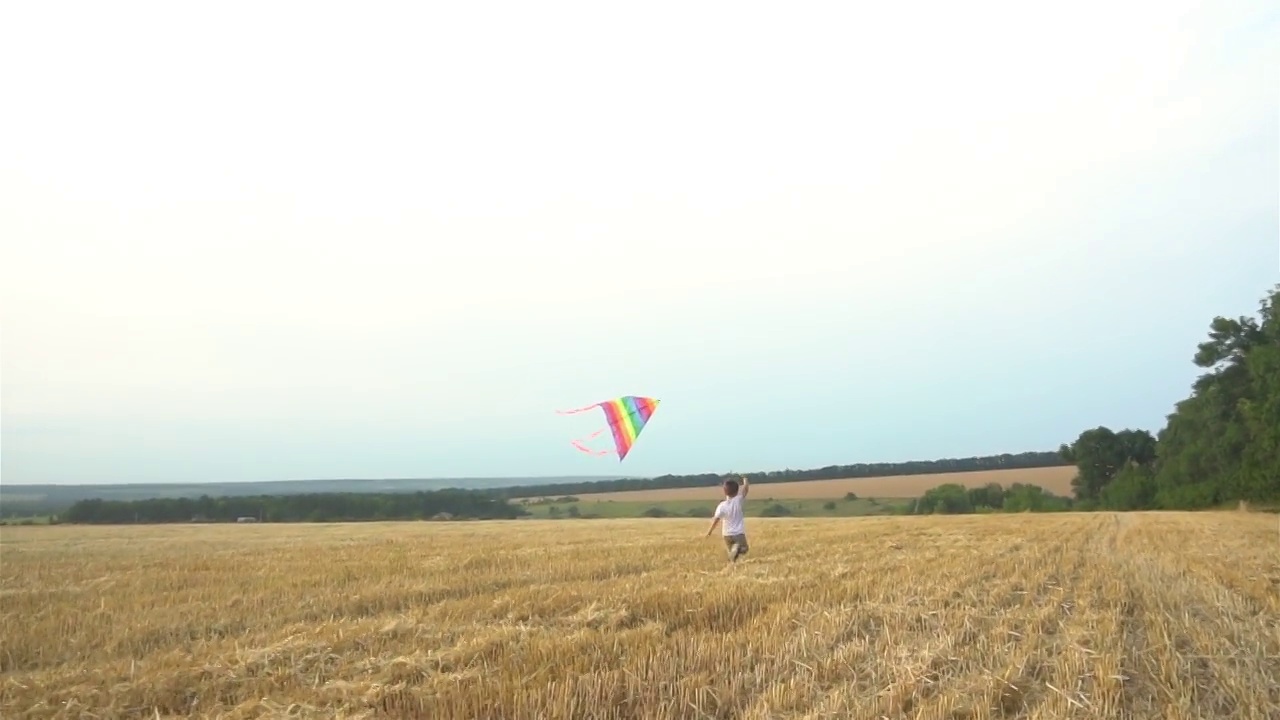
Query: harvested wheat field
1002,616
1056,480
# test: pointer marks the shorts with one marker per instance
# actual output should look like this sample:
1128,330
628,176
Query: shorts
740,541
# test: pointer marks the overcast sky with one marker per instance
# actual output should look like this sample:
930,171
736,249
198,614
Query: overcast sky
269,240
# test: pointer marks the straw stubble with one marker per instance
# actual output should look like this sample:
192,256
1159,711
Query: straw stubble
1003,616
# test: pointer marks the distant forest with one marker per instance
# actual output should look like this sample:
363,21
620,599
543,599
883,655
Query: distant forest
309,507
486,504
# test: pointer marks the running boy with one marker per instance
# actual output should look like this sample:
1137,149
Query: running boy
730,510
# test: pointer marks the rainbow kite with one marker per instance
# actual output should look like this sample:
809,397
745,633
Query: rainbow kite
627,416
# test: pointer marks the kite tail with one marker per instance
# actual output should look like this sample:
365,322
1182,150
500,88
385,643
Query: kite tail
581,444
579,410
578,444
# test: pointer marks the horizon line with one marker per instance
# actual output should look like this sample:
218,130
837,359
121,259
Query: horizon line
583,478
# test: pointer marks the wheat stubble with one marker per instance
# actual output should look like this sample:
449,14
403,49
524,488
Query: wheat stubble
1003,616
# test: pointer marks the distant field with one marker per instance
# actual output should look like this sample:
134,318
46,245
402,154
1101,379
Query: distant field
1054,479
754,507
1077,616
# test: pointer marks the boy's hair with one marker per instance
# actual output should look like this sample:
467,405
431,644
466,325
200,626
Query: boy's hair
731,488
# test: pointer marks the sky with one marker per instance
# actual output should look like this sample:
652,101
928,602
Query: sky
284,240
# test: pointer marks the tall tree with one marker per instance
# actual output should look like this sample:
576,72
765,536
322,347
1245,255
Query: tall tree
1260,465
1222,443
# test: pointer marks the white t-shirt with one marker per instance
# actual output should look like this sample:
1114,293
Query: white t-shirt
730,513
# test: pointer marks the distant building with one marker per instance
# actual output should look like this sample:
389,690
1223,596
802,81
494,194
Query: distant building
246,518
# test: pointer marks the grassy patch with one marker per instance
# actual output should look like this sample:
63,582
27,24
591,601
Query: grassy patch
26,520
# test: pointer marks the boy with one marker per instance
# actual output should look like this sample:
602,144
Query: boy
730,510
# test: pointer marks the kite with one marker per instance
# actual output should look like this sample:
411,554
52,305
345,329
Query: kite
627,416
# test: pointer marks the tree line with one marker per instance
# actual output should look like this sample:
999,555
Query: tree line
310,507
1007,461
1220,445
956,499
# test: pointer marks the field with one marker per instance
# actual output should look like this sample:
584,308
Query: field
1032,616
1054,479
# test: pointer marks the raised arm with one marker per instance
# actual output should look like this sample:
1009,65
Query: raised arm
744,487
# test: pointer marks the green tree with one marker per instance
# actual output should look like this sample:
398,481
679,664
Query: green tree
990,495
1260,464
1100,453
1021,497
948,498
1133,488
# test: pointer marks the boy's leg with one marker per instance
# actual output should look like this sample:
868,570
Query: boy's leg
737,546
